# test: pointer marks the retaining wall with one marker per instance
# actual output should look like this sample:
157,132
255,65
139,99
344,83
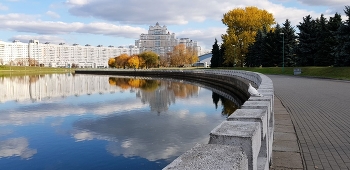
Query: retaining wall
244,140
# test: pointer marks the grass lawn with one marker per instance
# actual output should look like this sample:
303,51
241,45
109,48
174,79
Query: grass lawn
21,70
342,73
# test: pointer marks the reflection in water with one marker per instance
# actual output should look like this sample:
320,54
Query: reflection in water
100,122
16,147
228,106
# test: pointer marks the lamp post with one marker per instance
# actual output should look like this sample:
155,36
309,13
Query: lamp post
282,51
234,55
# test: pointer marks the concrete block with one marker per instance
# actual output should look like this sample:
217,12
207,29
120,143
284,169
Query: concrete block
270,142
251,115
211,156
263,163
243,134
258,105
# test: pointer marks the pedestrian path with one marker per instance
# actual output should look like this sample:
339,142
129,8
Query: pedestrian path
320,112
285,151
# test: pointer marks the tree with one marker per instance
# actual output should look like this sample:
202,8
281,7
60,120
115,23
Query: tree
122,61
342,55
289,44
111,62
333,26
221,61
307,46
243,25
134,61
149,59
215,54
182,55
272,46
256,50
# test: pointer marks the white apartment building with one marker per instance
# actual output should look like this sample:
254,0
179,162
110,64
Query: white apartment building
61,55
14,53
158,40
161,41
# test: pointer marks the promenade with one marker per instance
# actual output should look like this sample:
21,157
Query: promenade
320,112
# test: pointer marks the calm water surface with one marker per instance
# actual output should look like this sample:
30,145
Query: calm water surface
99,122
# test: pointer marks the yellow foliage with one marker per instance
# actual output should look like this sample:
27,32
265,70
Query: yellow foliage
111,62
134,61
183,55
243,24
122,60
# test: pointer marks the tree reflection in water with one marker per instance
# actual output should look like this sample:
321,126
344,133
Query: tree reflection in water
228,107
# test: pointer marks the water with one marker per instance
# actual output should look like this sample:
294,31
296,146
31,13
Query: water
69,121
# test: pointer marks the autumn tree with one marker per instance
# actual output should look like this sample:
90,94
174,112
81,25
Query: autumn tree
149,59
182,55
111,62
243,25
134,61
122,61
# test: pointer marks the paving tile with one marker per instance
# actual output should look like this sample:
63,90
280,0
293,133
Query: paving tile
319,113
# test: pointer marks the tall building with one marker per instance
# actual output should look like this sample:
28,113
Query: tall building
161,41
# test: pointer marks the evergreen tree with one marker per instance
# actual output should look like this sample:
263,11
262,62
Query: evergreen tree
333,26
215,55
222,56
342,55
323,54
272,53
256,50
307,46
289,44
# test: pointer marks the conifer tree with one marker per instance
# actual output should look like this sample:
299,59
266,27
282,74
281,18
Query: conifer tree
289,44
215,55
307,46
333,26
342,55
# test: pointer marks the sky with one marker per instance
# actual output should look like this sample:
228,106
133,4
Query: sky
120,22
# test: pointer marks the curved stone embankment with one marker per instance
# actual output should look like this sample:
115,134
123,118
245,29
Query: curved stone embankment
244,140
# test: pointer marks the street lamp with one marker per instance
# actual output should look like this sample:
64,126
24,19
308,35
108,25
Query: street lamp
282,51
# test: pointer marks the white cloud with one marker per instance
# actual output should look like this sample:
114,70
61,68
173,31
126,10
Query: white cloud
77,2
16,147
3,7
42,38
324,2
28,23
53,14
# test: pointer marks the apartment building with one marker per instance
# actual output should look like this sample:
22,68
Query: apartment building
60,55
161,41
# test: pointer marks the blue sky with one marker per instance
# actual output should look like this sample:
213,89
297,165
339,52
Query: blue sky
120,22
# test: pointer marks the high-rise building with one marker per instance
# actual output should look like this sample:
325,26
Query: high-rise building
161,41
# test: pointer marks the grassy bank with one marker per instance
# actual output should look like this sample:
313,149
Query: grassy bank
21,70
342,73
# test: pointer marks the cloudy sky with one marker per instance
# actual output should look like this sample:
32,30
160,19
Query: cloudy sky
120,22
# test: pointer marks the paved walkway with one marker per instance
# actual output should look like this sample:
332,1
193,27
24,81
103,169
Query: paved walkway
320,112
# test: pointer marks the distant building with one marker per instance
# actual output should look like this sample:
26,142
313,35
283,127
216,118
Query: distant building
204,60
161,41
61,55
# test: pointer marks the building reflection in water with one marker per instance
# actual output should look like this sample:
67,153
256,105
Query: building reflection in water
126,125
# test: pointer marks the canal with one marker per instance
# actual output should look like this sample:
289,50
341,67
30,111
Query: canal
67,121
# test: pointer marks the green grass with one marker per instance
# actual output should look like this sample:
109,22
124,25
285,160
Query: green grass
6,71
342,73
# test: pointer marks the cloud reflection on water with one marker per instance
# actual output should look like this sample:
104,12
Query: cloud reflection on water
16,147
147,135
